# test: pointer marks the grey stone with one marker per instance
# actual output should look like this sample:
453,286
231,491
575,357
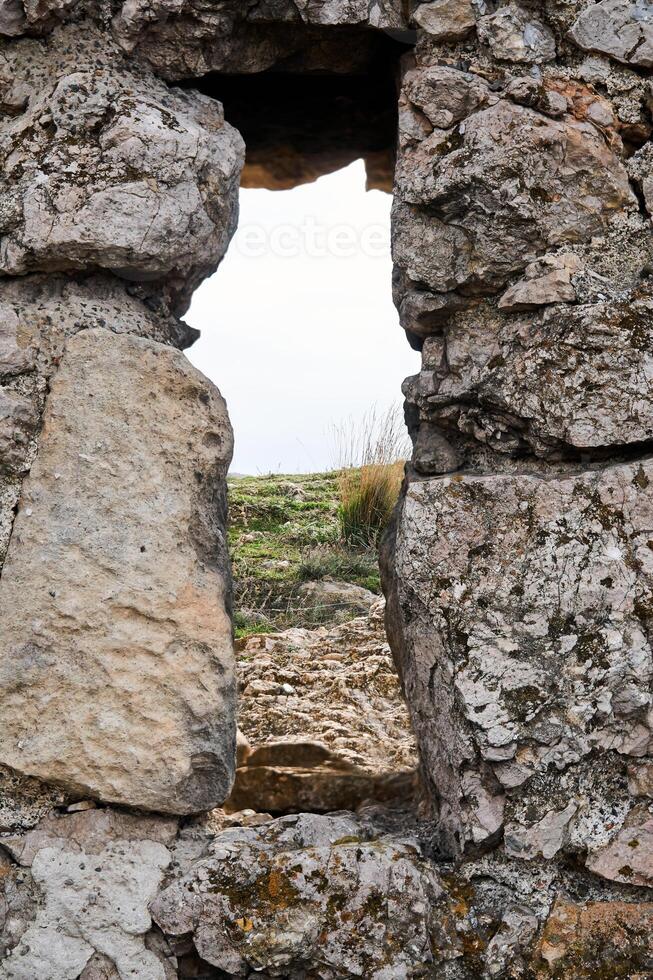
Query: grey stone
628,857
97,872
110,170
116,669
264,899
483,198
515,33
549,280
490,377
445,19
493,619
621,29
179,39
12,18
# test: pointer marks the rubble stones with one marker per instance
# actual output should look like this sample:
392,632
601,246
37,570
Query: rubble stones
116,670
445,19
514,33
344,694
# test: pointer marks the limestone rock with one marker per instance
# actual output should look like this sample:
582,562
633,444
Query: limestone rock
18,421
640,779
480,199
515,33
109,170
340,598
628,858
97,872
569,377
546,281
116,671
12,18
32,16
544,838
180,38
445,19
37,315
621,29
492,615
307,894
344,694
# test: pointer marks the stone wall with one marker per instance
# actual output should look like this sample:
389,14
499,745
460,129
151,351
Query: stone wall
518,572
521,572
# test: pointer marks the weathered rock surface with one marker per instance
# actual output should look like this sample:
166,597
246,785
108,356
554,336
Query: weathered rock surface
180,38
511,675
486,186
516,33
628,857
621,29
307,894
37,315
116,671
609,938
32,16
104,168
567,378
445,19
95,873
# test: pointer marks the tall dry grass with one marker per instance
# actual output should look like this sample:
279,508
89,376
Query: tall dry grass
370,458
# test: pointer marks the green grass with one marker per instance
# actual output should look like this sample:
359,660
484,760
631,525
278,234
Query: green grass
285,531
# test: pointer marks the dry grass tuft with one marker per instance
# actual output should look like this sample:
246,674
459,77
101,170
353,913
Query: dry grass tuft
371,459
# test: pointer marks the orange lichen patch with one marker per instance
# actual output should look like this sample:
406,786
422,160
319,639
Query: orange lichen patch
600,940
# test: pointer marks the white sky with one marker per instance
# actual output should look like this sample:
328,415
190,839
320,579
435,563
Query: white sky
298,327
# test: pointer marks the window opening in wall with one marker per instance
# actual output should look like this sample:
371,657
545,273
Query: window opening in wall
297,325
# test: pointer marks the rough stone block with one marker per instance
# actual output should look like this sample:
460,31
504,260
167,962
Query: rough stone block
104,169
566,378
96,873
621,29
521,620
116,671
485,186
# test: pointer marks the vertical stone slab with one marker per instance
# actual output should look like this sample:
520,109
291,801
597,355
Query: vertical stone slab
525,608
116,670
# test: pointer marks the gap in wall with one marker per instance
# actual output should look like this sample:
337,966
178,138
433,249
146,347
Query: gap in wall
298,328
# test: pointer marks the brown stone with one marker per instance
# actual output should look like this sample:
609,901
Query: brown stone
116,671
600,939
277,789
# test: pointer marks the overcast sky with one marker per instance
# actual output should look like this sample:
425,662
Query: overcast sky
298,327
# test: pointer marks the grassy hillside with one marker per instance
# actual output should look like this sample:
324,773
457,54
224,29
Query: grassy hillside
285,532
